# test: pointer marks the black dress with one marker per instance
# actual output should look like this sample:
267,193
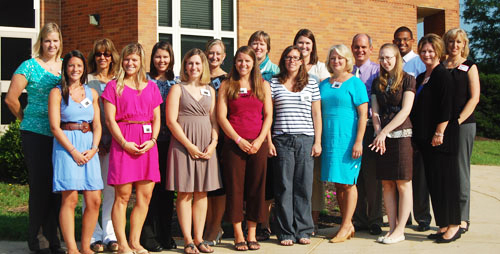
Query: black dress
434,104
397,162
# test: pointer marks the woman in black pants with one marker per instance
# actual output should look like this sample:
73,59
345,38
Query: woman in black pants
435,131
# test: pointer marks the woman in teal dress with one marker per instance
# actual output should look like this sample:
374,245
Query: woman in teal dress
344,106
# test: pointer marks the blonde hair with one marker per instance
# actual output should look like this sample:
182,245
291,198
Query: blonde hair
46,30
140,77
213,42
397,72
256,81
344,52
105,45
205,75
436,42
453,34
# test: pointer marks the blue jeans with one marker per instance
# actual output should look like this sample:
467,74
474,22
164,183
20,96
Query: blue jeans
293,178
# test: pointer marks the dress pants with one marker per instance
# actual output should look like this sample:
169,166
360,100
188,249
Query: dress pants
158,223
467,132
421,203
293,180
369,206
44,205
105,231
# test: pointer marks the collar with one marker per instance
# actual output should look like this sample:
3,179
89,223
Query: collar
263,64
410,55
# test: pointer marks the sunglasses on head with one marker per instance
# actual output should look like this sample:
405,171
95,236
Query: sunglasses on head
99,54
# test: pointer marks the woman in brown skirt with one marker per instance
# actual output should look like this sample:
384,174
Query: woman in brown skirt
392,99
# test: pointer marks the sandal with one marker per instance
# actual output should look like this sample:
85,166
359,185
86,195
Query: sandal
305,241
286,242
112,246
241,246
143,251
97,246
253,245
203,247
192,248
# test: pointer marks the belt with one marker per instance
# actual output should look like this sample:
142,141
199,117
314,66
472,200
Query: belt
83,126
404,133
134,122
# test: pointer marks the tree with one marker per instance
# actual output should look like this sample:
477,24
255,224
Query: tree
484,16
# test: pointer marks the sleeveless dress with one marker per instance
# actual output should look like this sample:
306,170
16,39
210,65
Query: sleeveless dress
133,105
67,174
185,174
340,127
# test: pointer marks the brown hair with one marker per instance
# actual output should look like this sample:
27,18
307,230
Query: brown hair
260,35
436,42
104,45
301,80
396,74
64,73
308,34
256,81
153,72
205,75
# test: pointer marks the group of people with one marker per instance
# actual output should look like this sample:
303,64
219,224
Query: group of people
230,144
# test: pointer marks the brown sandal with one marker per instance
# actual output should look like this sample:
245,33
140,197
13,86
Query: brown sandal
241,246
192,248
204,247
253,245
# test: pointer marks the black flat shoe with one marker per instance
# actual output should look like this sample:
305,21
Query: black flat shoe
454,238
153,246
169,244
464,230
423,227
435,236
375,229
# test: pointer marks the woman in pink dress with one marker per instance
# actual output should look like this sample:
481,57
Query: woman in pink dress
132,107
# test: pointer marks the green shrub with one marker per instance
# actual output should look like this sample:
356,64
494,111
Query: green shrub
13,169
488,110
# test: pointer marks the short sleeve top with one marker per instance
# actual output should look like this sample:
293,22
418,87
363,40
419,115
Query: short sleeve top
133,105
390,103
319,72
460,76
293,113
40,82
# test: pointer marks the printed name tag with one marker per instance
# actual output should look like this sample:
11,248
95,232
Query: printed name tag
336,84
103,86
86,102
205,92
305,97
463,67
147,128
243,90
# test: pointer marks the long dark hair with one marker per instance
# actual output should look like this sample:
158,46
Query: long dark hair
65,78
302,77
153,72
308,34
256,81
104,45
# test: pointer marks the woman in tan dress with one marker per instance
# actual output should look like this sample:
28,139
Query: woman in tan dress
192,168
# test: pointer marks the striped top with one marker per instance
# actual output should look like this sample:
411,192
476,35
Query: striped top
293,109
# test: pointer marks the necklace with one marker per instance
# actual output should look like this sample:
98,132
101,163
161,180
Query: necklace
77,93
453,64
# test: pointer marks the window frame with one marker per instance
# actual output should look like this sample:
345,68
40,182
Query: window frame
177,31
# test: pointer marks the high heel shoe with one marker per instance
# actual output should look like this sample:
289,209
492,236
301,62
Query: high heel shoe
338,239
457,235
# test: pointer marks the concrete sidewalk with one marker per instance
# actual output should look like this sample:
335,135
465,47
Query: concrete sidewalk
481,238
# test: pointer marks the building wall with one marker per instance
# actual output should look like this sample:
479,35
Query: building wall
50,11
335,21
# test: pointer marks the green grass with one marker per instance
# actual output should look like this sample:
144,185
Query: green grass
486,152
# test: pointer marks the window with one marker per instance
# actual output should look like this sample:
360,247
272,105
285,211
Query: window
188,24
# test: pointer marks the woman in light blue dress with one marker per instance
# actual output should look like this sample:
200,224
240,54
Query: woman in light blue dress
344,106
75,122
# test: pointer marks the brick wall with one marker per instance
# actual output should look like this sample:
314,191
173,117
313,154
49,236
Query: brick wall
118,22
50,11
335,21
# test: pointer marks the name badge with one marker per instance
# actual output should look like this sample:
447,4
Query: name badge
336,84
103,86
305,97
205,92
147,128
243,90
86,102
463,67
216,83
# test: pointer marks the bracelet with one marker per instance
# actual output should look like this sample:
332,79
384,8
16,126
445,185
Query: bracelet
154,140
438,134
95,147
238,140
72,150
123,144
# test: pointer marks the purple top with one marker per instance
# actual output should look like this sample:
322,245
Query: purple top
245,115
367,73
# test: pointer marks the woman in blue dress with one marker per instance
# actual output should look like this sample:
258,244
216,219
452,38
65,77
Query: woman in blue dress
75,122
344,104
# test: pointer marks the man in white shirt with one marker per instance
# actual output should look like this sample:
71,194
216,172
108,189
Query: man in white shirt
413,65
403,38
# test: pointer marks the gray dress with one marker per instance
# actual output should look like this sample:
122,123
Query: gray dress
185,174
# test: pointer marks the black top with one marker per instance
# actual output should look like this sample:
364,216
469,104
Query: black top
390,103
462,91
434,105
216,81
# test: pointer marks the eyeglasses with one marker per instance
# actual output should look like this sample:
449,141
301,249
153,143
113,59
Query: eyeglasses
385,58
99,54
290,58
